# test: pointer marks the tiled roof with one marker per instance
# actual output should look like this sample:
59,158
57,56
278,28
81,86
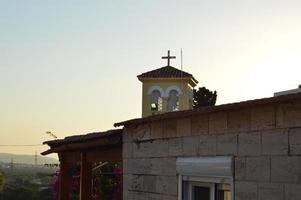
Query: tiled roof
210,109
84,137
166,72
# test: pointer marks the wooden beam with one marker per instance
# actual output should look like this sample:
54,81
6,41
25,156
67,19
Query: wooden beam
103,155
85,177
95,155
72,146
64,178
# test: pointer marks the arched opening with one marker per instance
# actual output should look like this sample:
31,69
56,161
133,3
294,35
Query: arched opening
173,101
156,100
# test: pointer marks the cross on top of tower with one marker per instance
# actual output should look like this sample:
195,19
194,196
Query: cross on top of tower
168,57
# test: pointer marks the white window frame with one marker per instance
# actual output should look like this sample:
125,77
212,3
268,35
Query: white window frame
173,87
208,180
156,87
211,186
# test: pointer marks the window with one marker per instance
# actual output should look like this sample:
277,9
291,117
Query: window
193,190
173,101
223,192
196,191
205,178
156,101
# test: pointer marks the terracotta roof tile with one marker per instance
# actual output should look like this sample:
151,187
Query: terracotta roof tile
166,72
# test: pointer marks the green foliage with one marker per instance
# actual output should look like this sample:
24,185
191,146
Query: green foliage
22,189
203,97
104,180
27,182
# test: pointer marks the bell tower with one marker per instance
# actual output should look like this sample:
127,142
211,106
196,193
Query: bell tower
166,89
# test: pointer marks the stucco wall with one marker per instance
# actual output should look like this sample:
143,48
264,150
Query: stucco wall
264,140
183,85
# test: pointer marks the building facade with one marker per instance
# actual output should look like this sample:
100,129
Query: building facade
243,151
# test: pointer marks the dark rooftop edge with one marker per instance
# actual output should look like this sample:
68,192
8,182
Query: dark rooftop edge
209,109
85,137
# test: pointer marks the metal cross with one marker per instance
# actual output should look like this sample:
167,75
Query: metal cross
168,57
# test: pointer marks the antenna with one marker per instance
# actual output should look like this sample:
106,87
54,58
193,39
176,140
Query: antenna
182,61
182,69
51,134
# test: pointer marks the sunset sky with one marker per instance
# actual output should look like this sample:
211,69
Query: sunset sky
70,66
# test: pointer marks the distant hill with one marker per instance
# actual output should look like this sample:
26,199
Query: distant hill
26,159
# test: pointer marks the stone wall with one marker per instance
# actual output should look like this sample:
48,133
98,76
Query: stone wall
265,141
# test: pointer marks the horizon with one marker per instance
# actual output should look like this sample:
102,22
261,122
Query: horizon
70,67
26,159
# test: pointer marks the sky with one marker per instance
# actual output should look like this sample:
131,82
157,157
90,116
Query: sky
70,66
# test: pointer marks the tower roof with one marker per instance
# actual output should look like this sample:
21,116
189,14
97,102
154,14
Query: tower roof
167,72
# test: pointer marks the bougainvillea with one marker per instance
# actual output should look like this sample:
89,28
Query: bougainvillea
74,172
106,182
117,187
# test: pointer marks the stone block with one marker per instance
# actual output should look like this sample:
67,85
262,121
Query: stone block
299,169
126,164
137,166
292,191
275,142
127,134
258,168
200,125
207,145
249,144
160,148
175,147
263,117
239,120
127,150
226,144
191,146
167,185
142,149
295,141
149,183
270,191
183,127
156,130
152,166
153,196
240,168
140,132
150,148
127,179
289,114
167,166
285,169
134,195
169,197
170,128
136,183
218,122
246,190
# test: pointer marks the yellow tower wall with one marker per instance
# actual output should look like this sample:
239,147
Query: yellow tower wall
184,101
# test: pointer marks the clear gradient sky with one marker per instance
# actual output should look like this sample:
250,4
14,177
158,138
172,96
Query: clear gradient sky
70,66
